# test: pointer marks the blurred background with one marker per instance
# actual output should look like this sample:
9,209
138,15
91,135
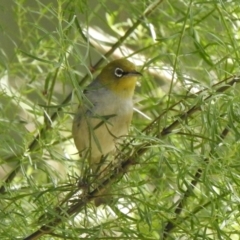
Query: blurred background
186,182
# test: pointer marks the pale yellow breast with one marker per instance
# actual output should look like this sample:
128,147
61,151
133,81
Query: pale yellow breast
98,136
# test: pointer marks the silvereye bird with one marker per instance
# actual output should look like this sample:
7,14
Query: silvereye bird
105,114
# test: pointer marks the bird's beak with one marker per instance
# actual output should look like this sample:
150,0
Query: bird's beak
134,73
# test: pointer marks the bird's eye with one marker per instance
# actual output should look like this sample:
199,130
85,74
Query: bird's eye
118,72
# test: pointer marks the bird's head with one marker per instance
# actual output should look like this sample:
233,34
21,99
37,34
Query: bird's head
119,76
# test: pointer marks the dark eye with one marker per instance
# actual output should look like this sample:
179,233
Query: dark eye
118,72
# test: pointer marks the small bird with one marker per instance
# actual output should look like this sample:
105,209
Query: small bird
104,117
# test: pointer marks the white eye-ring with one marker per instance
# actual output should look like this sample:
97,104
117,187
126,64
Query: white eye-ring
118,72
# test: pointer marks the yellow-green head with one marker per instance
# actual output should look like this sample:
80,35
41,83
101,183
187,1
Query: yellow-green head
119,76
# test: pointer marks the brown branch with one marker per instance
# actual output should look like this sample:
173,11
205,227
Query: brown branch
196,108
229,82
82,202
171,224
125,164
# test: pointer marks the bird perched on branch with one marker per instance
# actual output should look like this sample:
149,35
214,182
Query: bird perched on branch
105,114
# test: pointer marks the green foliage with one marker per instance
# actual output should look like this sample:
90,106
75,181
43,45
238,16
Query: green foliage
178,174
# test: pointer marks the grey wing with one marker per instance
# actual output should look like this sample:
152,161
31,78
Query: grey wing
80,127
